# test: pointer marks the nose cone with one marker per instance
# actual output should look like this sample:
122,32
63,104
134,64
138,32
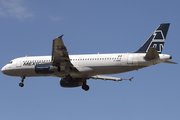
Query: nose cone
3,70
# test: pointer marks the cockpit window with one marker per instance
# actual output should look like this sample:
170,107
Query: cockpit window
10,62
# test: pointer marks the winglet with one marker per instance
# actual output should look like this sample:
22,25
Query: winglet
131,79
61,36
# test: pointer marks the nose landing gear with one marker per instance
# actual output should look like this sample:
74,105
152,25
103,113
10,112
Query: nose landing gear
21,84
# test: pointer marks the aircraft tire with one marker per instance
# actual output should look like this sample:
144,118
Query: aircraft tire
21,84
85,87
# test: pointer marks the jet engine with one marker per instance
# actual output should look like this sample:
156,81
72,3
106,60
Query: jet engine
45,69
74,82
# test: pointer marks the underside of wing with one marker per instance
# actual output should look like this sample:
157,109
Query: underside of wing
110,78
60,55
59,51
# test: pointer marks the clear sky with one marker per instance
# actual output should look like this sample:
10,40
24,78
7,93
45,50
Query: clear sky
89,27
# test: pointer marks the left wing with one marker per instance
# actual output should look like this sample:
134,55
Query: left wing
109,78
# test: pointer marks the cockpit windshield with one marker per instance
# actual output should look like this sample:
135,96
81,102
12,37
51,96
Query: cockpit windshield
10,62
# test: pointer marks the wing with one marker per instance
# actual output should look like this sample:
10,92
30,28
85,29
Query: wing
60,55
110,78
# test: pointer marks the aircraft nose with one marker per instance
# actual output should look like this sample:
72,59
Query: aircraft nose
4,70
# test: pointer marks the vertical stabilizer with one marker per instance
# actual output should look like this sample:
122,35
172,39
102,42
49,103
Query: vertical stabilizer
156,40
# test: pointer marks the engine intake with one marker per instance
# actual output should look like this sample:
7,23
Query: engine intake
74,82
45,69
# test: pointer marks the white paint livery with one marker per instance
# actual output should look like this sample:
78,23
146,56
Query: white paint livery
76,69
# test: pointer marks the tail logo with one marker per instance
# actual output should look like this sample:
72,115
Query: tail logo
157,41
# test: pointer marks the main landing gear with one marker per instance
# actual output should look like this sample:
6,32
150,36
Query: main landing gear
85,86
21,84
75,82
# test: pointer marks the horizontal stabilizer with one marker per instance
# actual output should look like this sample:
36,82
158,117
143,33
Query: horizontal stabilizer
110,78
151,54
170,62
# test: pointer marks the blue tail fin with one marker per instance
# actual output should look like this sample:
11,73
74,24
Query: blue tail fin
156,40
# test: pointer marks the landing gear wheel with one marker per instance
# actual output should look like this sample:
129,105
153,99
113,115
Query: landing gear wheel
21,84
85,87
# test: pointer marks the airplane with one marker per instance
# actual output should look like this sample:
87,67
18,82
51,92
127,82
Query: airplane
75,70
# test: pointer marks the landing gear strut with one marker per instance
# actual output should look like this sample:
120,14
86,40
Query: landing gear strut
85,86
21,84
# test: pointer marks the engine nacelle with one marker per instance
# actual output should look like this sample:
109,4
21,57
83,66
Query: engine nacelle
75,82
45,69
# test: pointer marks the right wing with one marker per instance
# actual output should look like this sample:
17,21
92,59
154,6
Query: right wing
60,58
109,78
60,55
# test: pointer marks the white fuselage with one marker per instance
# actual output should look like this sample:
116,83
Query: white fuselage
87,65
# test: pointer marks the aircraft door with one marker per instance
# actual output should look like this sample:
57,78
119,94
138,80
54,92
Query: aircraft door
130,59
19,62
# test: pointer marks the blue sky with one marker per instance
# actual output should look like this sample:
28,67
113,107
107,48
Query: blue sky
89,27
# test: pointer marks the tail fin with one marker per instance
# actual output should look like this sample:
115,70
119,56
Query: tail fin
156,40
